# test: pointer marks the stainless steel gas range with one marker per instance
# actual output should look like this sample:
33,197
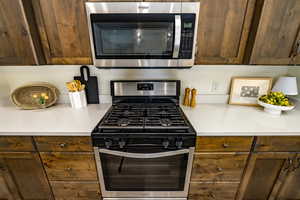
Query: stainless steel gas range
144,145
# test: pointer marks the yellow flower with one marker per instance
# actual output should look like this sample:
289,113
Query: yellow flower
43,94
34,96
46,97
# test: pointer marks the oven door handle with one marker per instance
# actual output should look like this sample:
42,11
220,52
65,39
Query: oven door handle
177,37
143,155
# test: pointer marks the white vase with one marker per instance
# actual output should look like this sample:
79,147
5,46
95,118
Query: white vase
78,99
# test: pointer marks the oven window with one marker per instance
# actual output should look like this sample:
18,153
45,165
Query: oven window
138,40
151,174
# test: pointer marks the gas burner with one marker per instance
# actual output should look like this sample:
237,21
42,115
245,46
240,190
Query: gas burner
165,122
123,122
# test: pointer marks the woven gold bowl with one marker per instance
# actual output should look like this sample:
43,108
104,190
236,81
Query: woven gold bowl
23,96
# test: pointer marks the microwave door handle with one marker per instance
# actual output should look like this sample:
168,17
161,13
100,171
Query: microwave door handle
144,155
177,37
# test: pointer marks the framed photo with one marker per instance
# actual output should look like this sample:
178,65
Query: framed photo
246,90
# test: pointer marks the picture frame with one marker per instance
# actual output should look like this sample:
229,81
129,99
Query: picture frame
246,90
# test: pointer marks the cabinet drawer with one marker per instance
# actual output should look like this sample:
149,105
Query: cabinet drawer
16,143
63,143
278,143
212,191
70,166
215,167
87,190
214,144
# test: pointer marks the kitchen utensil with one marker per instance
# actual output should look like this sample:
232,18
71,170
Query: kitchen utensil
91,85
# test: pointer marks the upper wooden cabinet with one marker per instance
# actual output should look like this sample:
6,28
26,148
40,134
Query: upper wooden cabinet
278,35
223,31
16,44
63,31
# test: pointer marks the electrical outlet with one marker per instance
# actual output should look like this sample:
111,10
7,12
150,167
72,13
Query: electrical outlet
214,86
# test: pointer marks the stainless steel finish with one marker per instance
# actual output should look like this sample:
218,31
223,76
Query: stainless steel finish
144,155
130,89
142,7
177,36
145,194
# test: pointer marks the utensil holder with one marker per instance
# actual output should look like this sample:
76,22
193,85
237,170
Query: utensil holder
78,99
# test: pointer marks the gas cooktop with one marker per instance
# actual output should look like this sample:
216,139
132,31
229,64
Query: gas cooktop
144,109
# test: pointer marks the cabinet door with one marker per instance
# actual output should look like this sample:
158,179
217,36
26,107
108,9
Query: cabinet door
16,45
24,177
63,30
8,190
277,33
290,187
223,31
264,176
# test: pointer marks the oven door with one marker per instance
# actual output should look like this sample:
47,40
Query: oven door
144,172
136,36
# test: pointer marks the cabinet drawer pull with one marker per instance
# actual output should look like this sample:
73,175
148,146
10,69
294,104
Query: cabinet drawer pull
289,164
219,169
68,169
62,145
211,194
225,145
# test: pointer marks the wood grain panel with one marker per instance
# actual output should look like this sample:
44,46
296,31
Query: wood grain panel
266,175
62,143
25,176
63,31
223,143
277,32
66,190
15,39
69,166
213,191
223,31
214,167
16,143
278,143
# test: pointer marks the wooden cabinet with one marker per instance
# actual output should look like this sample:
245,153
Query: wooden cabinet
63,31
270,176
62,143
223,31
218,167
69,166
22,177
16,144
278,36
226,144
87,190
277,144
16,44
213,191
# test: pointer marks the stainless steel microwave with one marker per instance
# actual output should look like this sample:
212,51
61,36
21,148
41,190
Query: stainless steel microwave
143,34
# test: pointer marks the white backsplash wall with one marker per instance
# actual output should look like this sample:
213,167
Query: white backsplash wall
211,81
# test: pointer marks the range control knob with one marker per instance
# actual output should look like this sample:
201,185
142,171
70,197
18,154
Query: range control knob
179,143
122,143
166,143
108,143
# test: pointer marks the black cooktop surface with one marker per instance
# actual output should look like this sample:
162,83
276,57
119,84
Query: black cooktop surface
144,118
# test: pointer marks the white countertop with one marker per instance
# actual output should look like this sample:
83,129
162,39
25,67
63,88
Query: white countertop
207,119
59,120
232,120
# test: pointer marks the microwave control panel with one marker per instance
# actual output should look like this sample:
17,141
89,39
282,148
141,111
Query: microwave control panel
187,36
